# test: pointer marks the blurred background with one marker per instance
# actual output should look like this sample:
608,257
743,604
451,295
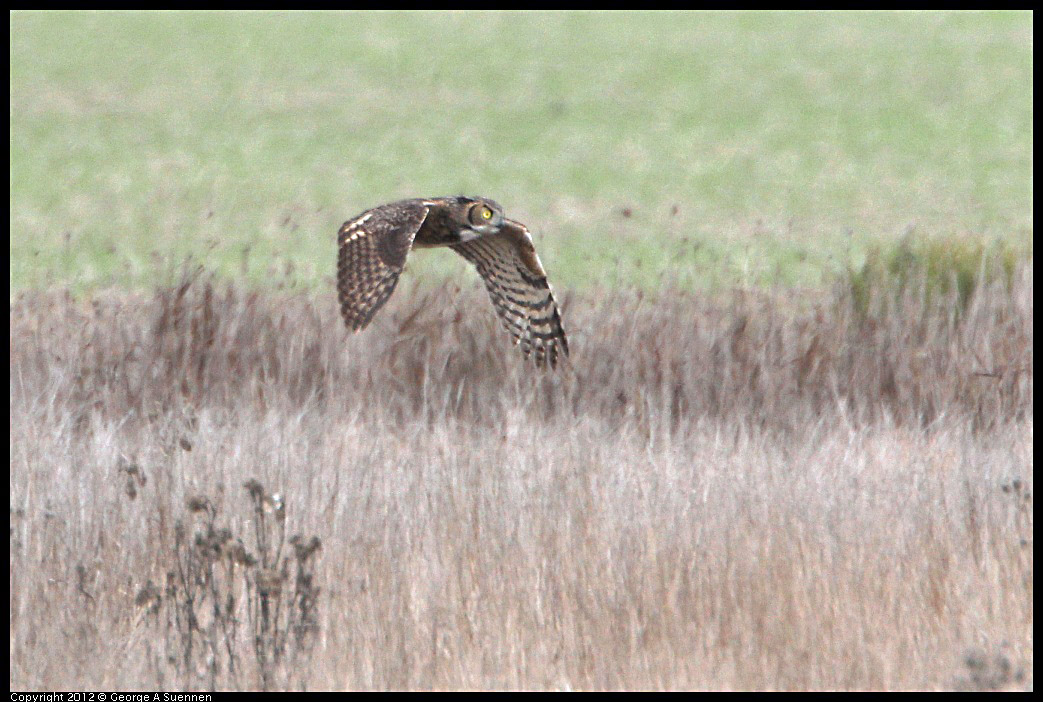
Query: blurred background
734,149
792,447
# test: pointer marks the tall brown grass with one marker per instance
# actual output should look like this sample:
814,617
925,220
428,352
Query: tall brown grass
738,491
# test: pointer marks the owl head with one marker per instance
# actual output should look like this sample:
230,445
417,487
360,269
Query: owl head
475,216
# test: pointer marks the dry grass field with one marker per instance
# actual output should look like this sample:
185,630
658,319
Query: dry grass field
220,488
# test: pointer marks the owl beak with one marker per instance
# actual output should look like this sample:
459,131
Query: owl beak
478,230
505,226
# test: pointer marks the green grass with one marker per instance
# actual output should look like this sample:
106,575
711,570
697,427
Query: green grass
932,266
750,149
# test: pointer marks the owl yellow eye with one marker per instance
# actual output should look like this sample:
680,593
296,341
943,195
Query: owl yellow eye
481,214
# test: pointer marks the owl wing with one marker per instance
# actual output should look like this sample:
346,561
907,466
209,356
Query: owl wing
517,284
371,253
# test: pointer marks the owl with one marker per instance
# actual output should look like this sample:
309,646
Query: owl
372,250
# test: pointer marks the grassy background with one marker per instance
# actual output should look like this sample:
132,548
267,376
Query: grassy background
747,149
721,489
715,496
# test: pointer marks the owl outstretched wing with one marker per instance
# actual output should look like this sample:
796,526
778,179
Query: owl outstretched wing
371,253
517,284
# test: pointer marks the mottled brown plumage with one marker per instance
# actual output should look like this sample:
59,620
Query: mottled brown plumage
372,251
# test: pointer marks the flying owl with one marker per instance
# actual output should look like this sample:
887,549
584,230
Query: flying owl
372,250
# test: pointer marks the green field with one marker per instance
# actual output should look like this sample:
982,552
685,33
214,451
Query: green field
705,149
